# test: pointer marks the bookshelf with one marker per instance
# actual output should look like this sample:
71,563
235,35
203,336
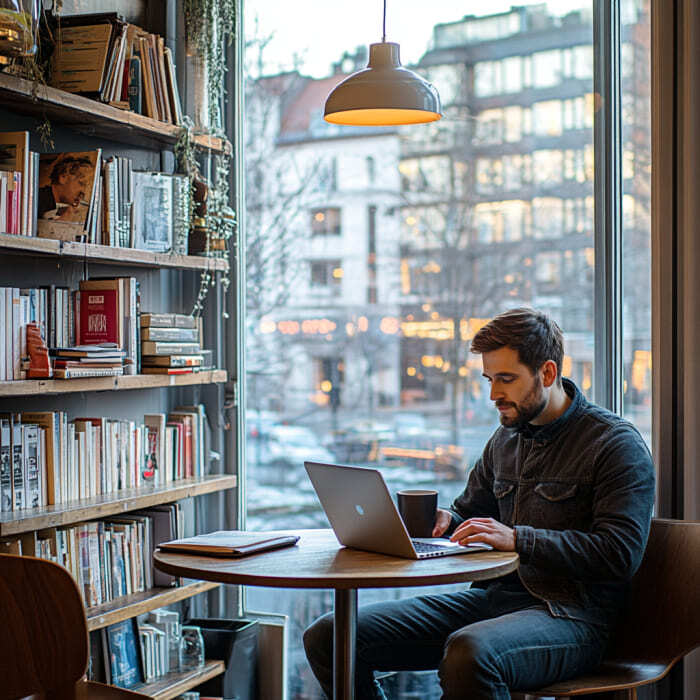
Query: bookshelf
37,387
94,118
127,257
131,605
29,520
169,283
173,684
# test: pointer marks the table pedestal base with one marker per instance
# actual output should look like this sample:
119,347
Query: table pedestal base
344,633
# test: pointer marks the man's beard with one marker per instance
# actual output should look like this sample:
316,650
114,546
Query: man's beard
531,407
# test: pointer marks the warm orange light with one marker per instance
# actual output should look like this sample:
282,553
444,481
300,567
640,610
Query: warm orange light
382,117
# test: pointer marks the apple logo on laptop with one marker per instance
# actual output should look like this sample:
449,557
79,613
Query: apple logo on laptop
360,510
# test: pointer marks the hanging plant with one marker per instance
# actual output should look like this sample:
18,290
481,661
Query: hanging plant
209,24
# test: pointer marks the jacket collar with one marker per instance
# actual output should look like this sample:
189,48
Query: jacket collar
547,432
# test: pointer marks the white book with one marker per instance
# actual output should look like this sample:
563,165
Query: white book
23,321
3,325
82,464
18,492
8,334
32,474
41,457
3,202
16,321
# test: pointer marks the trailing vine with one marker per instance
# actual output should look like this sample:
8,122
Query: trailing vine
208,24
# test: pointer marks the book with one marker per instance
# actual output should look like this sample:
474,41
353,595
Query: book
15,157
152,320
97,316
124,653
173,361
153,211
230,543
154,463
82,372
67,185
167,370
173,334
156,347
134,86
80,58
5,466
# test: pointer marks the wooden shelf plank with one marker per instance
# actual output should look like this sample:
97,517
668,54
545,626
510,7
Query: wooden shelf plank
15,523
173,684
129,606
29,245
34,387
94,118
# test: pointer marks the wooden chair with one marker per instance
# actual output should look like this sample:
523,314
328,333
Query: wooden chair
661,623
44,638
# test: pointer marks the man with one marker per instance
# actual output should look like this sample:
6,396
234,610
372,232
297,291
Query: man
67,195
567,485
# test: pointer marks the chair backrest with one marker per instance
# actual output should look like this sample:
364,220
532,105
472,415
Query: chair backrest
44,638
662,620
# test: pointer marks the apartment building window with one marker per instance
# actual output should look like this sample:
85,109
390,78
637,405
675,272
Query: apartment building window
547,167
325,222
326,275
546,69
547,118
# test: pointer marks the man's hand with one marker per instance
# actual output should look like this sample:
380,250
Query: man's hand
499,536
443,518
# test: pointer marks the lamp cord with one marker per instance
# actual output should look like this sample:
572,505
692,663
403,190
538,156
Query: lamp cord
384,24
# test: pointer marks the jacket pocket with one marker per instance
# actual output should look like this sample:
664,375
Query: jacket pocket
556,491
560,504
504,491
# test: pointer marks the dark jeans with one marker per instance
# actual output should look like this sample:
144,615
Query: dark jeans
483,641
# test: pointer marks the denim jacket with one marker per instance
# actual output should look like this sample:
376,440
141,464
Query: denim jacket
579,493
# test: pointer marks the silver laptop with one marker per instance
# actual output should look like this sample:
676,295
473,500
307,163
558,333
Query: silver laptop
363,515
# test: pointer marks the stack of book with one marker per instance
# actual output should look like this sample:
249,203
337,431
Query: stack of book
170,344
106,311
105,360
103,56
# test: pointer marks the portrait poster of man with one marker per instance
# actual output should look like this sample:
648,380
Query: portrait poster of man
66,184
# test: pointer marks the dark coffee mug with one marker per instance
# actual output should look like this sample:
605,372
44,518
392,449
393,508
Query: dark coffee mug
418,508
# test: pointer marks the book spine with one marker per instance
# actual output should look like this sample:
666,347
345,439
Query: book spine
149,347
5,466
18,493
182,335
32,483
3,338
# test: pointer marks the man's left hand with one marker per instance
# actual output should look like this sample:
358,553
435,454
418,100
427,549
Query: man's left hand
499,536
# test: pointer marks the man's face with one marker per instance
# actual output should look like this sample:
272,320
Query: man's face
518,394
73,187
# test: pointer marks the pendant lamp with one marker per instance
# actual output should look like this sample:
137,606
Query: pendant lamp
384,93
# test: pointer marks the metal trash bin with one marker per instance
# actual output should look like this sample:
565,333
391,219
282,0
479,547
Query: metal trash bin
236,643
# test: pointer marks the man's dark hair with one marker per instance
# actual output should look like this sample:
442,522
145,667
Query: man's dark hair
535,337
71,165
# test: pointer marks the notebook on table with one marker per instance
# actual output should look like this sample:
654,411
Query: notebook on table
363,514
230,543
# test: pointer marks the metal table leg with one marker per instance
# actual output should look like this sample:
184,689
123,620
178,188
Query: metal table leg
344,634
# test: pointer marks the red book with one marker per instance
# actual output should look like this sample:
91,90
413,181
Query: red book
98,316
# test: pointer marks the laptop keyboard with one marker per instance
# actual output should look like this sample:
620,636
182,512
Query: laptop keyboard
425,548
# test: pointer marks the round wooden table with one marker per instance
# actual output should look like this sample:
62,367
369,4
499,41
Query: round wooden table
318,561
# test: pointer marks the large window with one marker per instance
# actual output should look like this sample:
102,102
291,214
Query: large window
361,352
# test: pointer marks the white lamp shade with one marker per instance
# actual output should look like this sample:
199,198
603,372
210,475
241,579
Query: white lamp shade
383,94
